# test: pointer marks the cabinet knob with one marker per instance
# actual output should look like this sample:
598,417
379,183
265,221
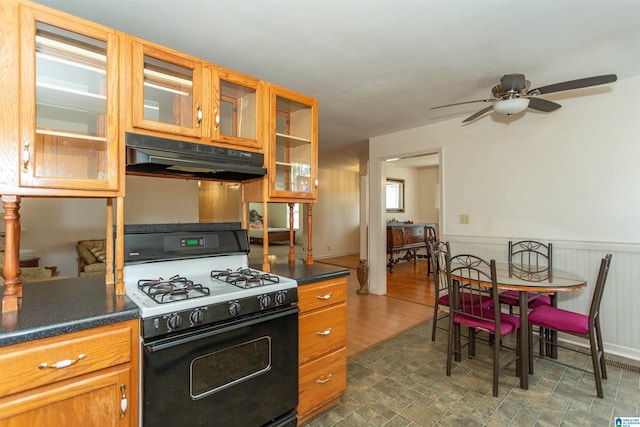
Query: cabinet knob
324,333
198,115
26,156
62,363
124,402
217,119
326,380
324,297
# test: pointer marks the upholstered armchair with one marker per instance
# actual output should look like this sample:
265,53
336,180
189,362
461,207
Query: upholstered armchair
31,274
91,257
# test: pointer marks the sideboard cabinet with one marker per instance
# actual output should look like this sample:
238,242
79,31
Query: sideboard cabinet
404,240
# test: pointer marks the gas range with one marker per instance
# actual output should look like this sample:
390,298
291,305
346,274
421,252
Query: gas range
206,287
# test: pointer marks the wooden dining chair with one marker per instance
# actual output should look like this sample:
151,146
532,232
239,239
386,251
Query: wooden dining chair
531,261
470,279
438,251
579,325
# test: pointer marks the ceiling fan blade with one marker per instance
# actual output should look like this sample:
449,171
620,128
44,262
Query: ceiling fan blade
478,114
512,82
543,105
574,84
465,102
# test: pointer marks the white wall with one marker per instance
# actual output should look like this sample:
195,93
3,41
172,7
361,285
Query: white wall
569,177
336,215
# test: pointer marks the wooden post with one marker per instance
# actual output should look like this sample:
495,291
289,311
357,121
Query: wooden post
265,237
292,234
120,249
309,259
109,274
12,297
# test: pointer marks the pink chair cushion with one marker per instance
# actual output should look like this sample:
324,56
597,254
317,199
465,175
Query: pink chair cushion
486,302
559,319
512,298
508,323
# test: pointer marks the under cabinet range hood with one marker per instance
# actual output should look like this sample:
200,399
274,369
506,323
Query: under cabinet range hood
150,155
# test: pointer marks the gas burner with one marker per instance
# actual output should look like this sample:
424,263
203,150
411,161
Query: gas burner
175,288
245,278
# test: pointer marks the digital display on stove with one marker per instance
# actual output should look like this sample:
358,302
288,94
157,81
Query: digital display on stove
193,241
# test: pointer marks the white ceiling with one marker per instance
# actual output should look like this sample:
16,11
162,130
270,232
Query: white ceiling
377,66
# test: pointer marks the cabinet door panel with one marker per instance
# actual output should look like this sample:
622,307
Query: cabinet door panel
69,91
167,90
322,331
89,401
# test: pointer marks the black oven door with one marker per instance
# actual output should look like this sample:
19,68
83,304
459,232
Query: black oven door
243,373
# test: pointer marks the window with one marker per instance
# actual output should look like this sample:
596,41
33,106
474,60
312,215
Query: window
395,195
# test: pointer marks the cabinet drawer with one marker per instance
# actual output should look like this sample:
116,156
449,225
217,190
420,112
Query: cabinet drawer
322,331
322,294
103,347
322,380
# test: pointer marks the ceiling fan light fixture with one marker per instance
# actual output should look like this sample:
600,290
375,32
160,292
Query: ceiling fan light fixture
511,106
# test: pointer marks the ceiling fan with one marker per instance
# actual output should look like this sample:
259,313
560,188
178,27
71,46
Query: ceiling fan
513,95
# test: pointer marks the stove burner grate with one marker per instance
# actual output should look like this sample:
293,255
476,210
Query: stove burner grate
173,289
245,278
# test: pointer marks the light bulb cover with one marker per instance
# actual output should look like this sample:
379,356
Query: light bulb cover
511,105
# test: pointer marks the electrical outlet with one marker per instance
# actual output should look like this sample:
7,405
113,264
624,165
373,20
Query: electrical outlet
464,218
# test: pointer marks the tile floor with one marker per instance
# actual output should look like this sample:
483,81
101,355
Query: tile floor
403,382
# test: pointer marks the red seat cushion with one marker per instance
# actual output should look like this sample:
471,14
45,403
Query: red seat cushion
486,301
559,319
508,323
512,298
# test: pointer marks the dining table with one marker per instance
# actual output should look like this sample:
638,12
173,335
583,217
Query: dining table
508,278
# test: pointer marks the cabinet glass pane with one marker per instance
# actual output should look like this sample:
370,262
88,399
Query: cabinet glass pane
168,93
71,105
293,146
237,110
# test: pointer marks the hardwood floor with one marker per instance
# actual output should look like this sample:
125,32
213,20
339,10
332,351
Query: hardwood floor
409,282
372,319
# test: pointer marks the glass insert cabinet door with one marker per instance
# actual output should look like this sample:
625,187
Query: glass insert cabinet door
166,91
69,127
237,108
295,147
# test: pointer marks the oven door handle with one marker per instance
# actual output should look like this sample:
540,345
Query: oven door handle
200,334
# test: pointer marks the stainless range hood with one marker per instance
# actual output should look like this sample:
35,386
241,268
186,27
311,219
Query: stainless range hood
150,155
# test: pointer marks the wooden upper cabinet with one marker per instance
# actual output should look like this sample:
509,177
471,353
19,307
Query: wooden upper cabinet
237,108
293,160
166,90
68,103
292,151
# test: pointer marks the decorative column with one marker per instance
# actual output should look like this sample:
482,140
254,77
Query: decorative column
292,234
12,297
309,259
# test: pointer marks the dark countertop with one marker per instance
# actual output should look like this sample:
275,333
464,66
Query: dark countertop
65,305
306,273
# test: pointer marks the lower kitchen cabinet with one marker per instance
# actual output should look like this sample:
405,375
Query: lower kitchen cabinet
87,378
322,341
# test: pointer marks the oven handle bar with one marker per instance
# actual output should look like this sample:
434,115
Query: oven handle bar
163,344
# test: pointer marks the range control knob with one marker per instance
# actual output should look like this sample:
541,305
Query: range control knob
174,321
196,317
265,301
281,298
234,308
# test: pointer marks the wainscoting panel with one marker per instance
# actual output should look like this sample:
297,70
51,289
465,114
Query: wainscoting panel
620,308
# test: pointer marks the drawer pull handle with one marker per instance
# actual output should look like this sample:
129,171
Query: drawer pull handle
324,333
124,402
326,380
63,363
324,297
